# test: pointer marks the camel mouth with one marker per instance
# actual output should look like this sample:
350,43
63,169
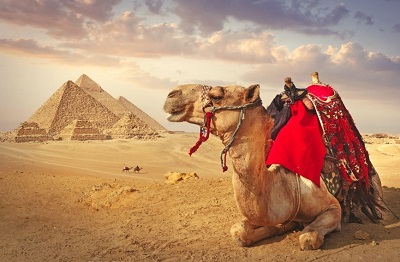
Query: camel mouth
176,116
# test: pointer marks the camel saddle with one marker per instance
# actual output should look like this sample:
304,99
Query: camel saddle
348,170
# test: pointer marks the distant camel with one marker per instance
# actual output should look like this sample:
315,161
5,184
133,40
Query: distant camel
127,169
137,169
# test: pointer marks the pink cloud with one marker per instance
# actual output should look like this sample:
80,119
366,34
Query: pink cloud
61,19
30,48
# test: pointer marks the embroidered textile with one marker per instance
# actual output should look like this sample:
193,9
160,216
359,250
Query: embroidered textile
341,135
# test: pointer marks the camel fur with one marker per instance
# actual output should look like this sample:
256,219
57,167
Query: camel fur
273,201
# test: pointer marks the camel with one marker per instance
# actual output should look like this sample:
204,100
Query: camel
273,201
126,169
137,169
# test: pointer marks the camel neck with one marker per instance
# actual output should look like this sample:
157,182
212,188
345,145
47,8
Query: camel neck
248,149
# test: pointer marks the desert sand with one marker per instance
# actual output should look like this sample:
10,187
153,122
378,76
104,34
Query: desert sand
70,201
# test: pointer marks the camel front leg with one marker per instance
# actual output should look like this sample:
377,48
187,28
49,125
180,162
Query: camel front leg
246,234
312,236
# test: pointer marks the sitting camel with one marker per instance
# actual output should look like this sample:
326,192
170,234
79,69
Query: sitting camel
272,202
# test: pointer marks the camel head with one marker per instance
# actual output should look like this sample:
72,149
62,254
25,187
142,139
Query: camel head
188,103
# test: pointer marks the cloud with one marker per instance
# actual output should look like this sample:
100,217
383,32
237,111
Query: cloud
363,18
354,55
86,27
239,47
133,74
61,19
154,6
309,17
351,68
128,35
31,48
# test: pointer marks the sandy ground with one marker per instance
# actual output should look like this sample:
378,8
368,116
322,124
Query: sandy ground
70,201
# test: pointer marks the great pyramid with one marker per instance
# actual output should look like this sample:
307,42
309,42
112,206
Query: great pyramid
70,103
84,111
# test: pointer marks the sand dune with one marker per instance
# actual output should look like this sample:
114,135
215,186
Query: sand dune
70,201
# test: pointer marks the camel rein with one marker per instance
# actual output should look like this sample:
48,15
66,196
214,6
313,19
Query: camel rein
205,130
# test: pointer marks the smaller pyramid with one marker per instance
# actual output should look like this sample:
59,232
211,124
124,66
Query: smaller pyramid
29,132
130,126
140,114
81,130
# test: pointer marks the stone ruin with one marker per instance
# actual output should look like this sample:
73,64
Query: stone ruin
85,111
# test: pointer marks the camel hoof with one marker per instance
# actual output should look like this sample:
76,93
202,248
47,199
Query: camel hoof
238,235
311,240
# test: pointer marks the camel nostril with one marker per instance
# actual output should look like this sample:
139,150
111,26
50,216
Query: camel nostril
173,93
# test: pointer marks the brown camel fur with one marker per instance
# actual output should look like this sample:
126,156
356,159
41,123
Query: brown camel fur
272,202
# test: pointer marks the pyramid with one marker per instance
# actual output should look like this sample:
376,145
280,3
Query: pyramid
88,84
95,90
84,111
130,126
120,106
81,130
69,103
140,114
29,132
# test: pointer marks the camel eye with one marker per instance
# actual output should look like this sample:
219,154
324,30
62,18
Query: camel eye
216,99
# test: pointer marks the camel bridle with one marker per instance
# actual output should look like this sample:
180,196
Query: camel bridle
205,129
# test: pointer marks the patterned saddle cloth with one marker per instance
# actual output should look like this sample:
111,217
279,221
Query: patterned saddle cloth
330,175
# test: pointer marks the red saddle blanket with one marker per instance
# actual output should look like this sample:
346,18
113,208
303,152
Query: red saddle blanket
301,144
298,145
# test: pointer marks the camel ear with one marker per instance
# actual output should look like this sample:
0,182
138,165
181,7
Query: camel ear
252,93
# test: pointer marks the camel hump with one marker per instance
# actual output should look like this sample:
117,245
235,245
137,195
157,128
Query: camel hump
322,92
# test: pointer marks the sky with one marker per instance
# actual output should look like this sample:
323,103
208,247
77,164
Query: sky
142,49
